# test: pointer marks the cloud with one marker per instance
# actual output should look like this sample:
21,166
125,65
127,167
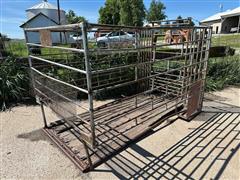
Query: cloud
12,20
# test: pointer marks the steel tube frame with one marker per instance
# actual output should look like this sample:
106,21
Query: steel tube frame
56,47
173,83
89,81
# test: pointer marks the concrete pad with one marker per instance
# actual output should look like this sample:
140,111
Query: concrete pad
207,147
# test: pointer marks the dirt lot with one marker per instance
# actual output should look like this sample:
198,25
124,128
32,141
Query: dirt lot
207,147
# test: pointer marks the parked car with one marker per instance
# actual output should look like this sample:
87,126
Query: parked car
115,38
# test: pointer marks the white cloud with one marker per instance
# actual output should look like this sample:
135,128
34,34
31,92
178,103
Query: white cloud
12,20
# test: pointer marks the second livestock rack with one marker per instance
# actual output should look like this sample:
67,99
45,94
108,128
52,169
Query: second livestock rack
111,84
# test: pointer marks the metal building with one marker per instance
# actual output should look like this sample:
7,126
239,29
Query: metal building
42,15
224,22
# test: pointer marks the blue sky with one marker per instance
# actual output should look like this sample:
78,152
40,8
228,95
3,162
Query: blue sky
13,13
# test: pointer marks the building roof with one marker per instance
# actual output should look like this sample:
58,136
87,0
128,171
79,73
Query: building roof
39,14
218,16
43,5
234,12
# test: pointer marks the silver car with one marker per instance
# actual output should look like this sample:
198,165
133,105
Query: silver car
115,38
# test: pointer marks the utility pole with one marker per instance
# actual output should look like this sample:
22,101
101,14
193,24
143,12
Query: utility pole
221,7
59,18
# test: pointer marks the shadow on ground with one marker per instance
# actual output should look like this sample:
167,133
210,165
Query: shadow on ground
205,152
36,135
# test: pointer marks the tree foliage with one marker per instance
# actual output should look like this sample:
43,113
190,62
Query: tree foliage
109,13
125,13
156,11
122,12
73,18
138,12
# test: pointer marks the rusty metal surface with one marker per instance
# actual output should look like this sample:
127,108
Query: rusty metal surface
112,134
194,97
45,37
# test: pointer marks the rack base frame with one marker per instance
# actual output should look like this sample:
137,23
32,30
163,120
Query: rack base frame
106,150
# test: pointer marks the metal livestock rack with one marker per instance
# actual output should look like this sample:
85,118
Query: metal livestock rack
111,84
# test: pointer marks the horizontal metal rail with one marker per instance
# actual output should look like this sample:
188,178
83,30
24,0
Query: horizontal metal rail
58,64
62,96
57,80
147,77
104,26
59,104
57,47
144,47
72,27
56,28
145,63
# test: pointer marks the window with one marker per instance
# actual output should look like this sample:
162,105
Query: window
122,33
113,34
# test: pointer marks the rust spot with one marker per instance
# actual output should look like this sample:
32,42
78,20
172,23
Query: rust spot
45,37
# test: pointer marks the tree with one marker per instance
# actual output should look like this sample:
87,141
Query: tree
156,11
110,12
138,12
73,18
122,12
125,13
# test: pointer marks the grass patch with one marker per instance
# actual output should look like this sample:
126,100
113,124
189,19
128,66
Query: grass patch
223,72
17,48
227,40
14,82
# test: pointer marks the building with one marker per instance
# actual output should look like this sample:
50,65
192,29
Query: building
224,22
41,15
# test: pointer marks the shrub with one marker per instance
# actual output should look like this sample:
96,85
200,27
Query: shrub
223,72
13,82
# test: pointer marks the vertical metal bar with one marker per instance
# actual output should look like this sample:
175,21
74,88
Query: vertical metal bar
30,65
33,81
205,65
88,155
202,49
191,57
89,81
138,53
44,116
153,48
59,19
185,73
197,55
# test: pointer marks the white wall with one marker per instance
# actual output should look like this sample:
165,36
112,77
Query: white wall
215,25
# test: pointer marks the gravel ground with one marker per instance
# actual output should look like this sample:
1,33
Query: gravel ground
207,147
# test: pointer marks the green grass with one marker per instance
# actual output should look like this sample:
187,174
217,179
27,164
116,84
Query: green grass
14,82
223,72
17,48
227,40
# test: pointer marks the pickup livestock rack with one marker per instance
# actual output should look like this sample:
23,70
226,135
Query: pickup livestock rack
111,84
